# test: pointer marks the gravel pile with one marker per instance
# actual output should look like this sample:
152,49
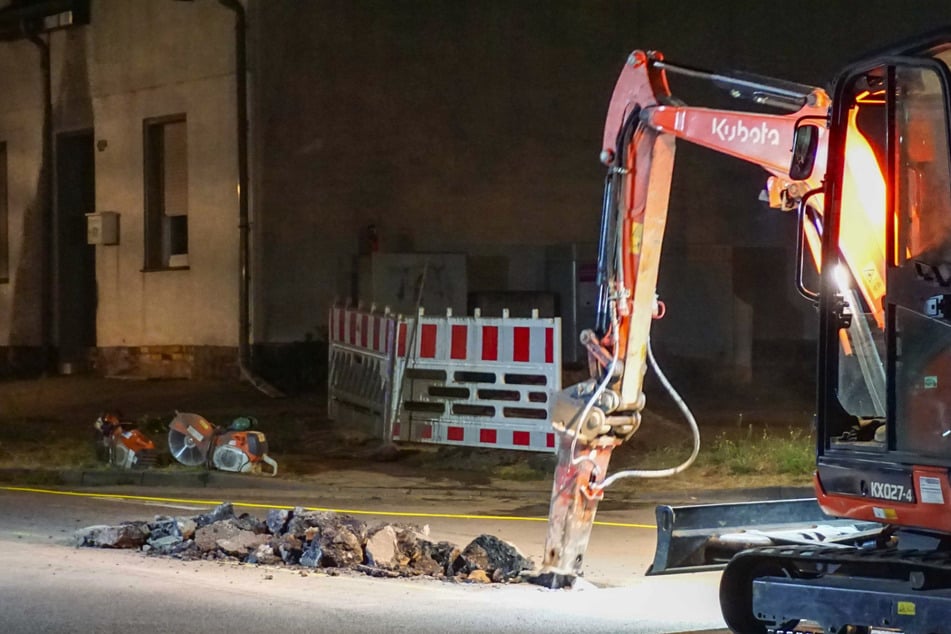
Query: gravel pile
312,540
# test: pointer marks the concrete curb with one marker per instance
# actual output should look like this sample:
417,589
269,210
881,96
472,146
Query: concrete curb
145,478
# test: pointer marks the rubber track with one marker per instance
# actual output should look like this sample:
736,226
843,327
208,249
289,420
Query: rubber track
799,561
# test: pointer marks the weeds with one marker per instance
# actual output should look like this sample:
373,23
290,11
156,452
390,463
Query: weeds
766,453
520,472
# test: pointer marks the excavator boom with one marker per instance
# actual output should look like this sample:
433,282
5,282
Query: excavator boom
643,122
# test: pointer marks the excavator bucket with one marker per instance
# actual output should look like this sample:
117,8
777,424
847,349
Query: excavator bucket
705,537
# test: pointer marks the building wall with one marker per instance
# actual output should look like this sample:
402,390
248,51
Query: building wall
135,60
476,127
452,127
21,121
168,58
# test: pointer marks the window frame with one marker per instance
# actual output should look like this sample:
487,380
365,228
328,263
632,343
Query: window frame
153,181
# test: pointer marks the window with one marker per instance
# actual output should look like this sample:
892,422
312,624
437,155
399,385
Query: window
166,193
923,351
860,274
924,173
4,239
922,381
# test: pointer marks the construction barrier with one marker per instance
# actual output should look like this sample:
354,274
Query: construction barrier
360,362
473,381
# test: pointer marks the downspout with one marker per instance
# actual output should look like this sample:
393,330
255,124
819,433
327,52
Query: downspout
46,196
244,227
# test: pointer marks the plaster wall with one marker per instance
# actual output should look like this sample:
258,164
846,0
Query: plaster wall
476,127
20,296
135,60
452,127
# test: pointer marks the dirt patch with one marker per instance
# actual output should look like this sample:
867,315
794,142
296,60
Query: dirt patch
48,423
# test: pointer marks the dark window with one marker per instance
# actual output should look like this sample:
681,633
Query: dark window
166,193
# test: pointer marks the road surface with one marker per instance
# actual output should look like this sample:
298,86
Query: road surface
49,586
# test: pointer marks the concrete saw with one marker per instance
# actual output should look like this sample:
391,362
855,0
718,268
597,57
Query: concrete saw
121,444
193,441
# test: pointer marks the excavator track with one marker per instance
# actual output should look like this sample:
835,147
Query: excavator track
841,590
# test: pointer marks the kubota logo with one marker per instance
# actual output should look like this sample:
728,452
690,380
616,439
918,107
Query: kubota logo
739,131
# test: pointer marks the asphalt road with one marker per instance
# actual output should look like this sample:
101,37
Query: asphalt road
50,586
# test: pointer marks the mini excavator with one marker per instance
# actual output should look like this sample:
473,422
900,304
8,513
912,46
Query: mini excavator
867,170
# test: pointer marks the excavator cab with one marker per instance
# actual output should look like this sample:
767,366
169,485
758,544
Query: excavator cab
884,367
884,399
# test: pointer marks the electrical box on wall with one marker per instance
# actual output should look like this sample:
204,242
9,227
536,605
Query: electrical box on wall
102,228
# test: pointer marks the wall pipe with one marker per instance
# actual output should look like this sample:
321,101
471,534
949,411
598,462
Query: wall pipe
45,195
244,227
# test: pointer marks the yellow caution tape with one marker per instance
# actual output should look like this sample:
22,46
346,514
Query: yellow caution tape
254,505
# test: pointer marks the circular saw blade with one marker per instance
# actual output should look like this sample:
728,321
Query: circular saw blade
189,438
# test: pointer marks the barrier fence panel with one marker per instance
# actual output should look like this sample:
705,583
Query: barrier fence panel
473,381
479,381
360,363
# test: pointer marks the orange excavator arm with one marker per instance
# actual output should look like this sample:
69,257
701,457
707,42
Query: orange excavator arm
644,161
642,124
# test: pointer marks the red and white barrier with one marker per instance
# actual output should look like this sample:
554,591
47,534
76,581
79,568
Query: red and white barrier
479,381
483,340
474,381
360,362
479,436
359,329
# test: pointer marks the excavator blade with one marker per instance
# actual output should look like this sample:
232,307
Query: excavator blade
574,502
707,536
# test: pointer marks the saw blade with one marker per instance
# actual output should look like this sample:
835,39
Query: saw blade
189,438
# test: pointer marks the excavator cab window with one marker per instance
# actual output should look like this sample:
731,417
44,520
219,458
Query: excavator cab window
924,180
922,321
894,224
859,271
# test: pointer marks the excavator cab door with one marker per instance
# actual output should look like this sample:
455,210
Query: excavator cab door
921,268
884,409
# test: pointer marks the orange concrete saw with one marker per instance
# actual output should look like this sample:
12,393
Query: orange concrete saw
121,444
194,441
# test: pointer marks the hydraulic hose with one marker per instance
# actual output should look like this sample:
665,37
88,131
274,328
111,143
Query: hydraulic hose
582,415
691,421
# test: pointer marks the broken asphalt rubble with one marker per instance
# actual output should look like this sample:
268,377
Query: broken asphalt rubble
314,539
